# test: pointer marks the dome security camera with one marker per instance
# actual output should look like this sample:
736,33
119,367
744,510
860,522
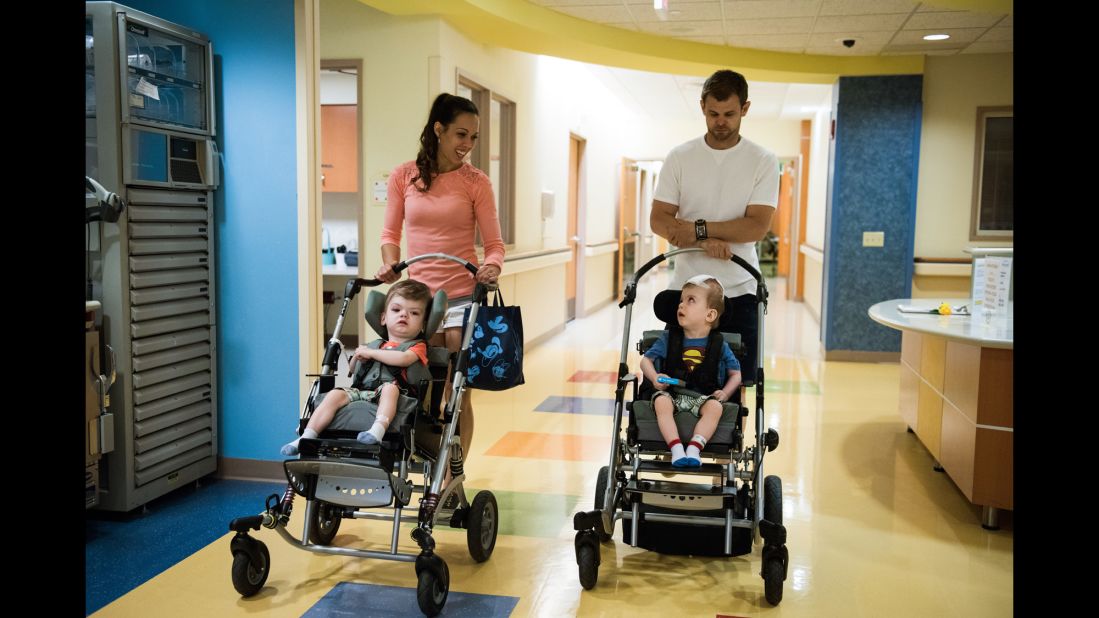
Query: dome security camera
849,43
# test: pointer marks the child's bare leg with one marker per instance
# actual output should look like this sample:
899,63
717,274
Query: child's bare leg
322,417
387,409
665,420
709,415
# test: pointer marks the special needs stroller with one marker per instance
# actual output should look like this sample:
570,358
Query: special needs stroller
719,518
342,478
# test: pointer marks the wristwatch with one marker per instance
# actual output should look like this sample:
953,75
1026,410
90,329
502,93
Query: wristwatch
700,229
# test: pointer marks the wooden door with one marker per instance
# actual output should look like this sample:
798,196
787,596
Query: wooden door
785,209
339,148
627,222
803,209
576,147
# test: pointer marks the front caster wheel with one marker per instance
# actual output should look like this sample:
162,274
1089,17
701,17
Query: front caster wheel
774,573
432,587
250,573
589,566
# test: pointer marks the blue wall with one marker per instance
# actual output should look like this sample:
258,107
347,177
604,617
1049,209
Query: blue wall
872,188
255,219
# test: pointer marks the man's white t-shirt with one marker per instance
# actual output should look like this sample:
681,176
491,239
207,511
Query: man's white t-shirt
718,185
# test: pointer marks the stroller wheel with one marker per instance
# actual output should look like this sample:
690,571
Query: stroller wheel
589,568
325,524
249,575
774,573
482,525
600,492
432,587
772,499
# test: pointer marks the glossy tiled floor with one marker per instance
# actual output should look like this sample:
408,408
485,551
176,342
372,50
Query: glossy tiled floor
873,530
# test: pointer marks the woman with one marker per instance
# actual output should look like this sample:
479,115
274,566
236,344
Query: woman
441,199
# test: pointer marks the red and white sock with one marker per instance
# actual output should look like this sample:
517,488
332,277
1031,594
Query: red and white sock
677,450
695,446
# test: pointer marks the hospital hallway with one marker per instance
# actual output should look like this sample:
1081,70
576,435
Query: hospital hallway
873,530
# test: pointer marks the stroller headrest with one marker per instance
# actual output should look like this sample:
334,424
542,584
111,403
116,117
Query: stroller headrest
665,304
374,305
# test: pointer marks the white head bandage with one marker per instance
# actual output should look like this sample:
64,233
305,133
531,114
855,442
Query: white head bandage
700,281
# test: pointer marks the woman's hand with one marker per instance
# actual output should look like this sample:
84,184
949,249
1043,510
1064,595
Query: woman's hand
488,274
386,274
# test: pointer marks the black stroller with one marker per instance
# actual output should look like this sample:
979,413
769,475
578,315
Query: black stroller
719,519
342,478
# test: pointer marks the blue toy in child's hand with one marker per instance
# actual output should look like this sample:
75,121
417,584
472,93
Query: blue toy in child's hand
672,381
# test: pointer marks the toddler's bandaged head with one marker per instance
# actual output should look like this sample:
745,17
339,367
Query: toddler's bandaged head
715,296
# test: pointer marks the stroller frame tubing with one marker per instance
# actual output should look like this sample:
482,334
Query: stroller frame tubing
608,512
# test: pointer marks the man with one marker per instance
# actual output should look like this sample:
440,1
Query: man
719,192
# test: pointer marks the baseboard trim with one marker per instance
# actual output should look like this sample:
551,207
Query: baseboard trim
250,469
857,356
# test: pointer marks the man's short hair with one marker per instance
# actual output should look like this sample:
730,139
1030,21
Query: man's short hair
409,289
724,84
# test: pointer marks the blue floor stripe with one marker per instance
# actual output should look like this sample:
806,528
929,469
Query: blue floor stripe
123,551
352,600
577,405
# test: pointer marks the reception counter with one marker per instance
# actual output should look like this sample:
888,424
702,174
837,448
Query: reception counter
957,376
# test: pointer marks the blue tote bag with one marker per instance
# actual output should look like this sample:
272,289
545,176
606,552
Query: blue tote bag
496,348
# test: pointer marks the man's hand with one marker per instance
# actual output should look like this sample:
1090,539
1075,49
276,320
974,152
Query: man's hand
716,248
681,233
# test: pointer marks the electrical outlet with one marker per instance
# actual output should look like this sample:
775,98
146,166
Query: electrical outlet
873,239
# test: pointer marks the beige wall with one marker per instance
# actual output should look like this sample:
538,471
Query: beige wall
814,280
599,282
953,88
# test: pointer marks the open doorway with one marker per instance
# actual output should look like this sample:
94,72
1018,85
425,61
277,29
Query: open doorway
341,190
577,145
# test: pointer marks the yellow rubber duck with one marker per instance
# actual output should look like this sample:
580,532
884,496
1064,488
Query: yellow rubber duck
944,309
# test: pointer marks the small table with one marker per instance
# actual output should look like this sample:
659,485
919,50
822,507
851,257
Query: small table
957,376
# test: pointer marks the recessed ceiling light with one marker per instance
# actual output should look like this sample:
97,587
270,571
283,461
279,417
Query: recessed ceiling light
660,4
936,37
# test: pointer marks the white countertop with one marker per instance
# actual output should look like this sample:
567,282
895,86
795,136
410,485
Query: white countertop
996,332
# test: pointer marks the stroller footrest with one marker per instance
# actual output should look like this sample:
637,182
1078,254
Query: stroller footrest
352,483
707,469
680,496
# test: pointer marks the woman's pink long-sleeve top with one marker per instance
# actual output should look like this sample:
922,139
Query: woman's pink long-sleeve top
443,221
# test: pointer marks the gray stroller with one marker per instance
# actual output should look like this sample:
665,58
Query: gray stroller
342,478
717,518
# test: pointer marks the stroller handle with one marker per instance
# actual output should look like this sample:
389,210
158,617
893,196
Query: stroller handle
354,285
630,293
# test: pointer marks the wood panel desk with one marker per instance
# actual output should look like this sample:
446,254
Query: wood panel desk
957,377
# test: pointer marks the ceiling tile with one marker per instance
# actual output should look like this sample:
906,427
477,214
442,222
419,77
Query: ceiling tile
866,7
795,25
860,22
678,11
683,28
998,34
957,35
989,47
759,9
928,21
